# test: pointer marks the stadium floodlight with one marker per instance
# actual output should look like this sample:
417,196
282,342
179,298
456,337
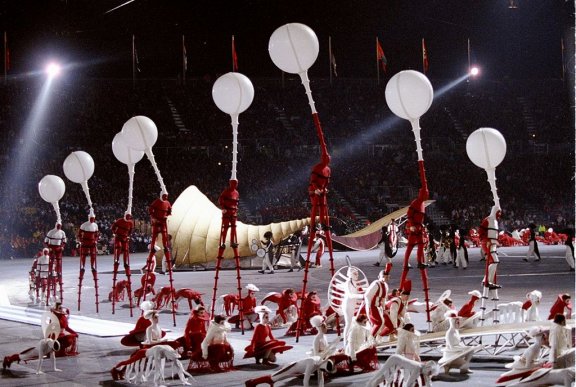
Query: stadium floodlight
53,69
474,71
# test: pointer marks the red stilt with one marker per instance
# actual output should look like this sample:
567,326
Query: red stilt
114,295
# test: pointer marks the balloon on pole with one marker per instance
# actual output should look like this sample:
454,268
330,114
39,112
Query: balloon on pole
140,133
486,148
233,93
409,95
51,189
79,168
128,156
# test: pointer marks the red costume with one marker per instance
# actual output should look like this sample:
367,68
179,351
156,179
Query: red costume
159,211
228,201
467,310
195,330
284,301
88,235
68,342
375,302
488,234
122,229
562,303
310,307
263,343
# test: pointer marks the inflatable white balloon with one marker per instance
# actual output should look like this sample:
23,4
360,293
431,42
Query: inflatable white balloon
293,48
51,189
233,93
130,157
486,148
79,168
140,133
123,152
409,95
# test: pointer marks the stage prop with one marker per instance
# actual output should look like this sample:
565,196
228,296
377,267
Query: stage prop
140,134
294,48
79,168
122,227
233,93
195,227
52,189
486,148
409,95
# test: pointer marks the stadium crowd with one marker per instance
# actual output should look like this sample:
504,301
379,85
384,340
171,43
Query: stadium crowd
374,169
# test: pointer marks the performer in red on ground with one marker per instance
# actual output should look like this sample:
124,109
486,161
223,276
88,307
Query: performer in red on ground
68,341
264,346
375,303
195,330
88,236
122,229
561,306
310,307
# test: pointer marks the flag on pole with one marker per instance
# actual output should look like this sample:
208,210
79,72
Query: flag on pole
425,64
234,56
184,55
333,59
380,55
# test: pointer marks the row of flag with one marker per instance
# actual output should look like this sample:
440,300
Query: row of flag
381,60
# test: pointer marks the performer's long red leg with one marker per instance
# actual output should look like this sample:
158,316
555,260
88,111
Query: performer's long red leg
127,271
81,275
331,254
299,323
168,258
116,264
405,269
234,243
155,232
424,275
221,248
93,265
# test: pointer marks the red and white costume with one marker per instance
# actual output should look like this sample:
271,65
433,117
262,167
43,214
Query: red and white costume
56,240
122,229
287,304
394,319
408,345
248,304
310,307
375,303
467,310
562,306
43,277
68,337
216,348
88,237
488,233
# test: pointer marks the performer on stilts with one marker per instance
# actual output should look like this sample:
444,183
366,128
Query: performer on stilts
140,133
51,189
233,93
56,241
88,236
279,47
122,228
409,95
486,147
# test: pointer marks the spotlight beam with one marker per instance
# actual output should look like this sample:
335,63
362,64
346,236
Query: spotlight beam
120,6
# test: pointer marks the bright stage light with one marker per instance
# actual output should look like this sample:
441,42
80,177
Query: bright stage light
53,69
474,71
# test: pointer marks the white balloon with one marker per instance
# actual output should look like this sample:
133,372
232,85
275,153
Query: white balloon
123,152
78,167
233,93
293,48
140,133
409,94
486,148
51,188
